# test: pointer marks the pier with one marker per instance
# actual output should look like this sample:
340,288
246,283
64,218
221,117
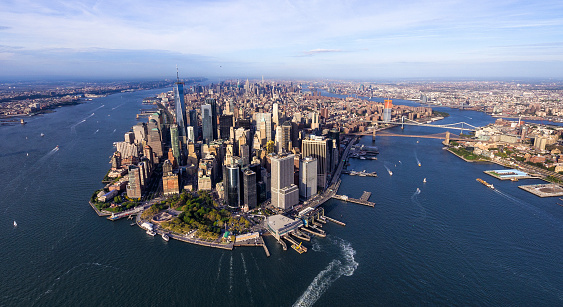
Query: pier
362,201
295,243
265,247
335,221
320,232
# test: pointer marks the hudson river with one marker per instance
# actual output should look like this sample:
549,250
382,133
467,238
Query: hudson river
449,241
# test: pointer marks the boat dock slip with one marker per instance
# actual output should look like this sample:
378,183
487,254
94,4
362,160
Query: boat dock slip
319,234
335,221
301,236
290,240
362,201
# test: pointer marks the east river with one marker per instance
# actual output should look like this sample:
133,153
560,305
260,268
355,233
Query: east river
449,241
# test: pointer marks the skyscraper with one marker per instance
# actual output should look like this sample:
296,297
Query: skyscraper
308,177
319,148
213,103
175,142
232,186
249,194
264,121
134,187
276,113
194,123
180,110
206,123
285,194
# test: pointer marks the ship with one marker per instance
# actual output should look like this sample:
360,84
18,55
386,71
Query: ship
489,185
165,237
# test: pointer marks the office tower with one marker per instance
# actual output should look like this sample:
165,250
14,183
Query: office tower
315,124
143,172
154,138
206,123
318,148
170,180
387,110
116,160
264,125
285,194
213,103
134,188
130,137
249,184
147,152
140,131
191,134
244,153
232,186
181,120
175,142
286,137
308,177
276,113
194,124
225,124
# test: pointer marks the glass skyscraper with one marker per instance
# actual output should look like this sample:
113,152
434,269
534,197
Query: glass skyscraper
180,110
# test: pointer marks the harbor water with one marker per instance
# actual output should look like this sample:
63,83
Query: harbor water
449,241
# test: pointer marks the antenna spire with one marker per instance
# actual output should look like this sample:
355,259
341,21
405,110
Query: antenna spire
177,75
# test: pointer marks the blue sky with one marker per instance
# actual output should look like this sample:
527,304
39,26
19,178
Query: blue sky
281,39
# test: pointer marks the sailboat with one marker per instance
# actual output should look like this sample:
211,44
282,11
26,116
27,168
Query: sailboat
15,224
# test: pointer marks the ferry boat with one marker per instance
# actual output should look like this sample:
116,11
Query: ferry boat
165,237
489,185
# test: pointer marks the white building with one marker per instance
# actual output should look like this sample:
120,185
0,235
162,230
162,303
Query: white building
307,177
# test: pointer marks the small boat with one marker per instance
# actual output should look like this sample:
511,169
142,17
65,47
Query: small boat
151,233
390,173
165,237
424,180
27,154
133,224
42,134
489,185
15,224
419,164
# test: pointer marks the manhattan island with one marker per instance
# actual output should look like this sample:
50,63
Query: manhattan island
222,165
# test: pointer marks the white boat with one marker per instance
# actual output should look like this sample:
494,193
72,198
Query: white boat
165,237
424,180
15,224
151,233
390,173
42,134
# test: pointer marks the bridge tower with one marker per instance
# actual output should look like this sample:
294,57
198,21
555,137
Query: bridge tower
461,129
403,122
447,140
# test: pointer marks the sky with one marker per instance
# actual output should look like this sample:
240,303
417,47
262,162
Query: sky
334,39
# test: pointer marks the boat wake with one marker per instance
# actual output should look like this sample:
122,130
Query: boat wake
96,109
231,275
247,280
537,212
73,127
117,107
414,199
113,131
97,130
387,168
417,160
219,268
343,265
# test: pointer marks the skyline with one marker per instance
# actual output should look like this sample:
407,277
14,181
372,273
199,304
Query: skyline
293,39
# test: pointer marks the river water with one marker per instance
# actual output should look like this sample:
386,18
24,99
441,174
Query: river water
447,241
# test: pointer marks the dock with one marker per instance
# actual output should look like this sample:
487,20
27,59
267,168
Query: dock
295,243
301,236
265,247
321,233
335,221
362,201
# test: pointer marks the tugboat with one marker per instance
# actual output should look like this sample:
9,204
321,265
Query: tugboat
489,185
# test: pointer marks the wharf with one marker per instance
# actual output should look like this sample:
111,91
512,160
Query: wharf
295,243
362,201
265,247
334,221
321,233
543,190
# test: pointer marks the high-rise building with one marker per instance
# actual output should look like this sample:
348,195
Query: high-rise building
264,121
308,177
180,110
154,138
319,148
276,113
213,103
175,142
232,186
315,122
286,137
140,131
134,187
387,110
207,123
191,134
285,194
249,194
225,124
194,124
